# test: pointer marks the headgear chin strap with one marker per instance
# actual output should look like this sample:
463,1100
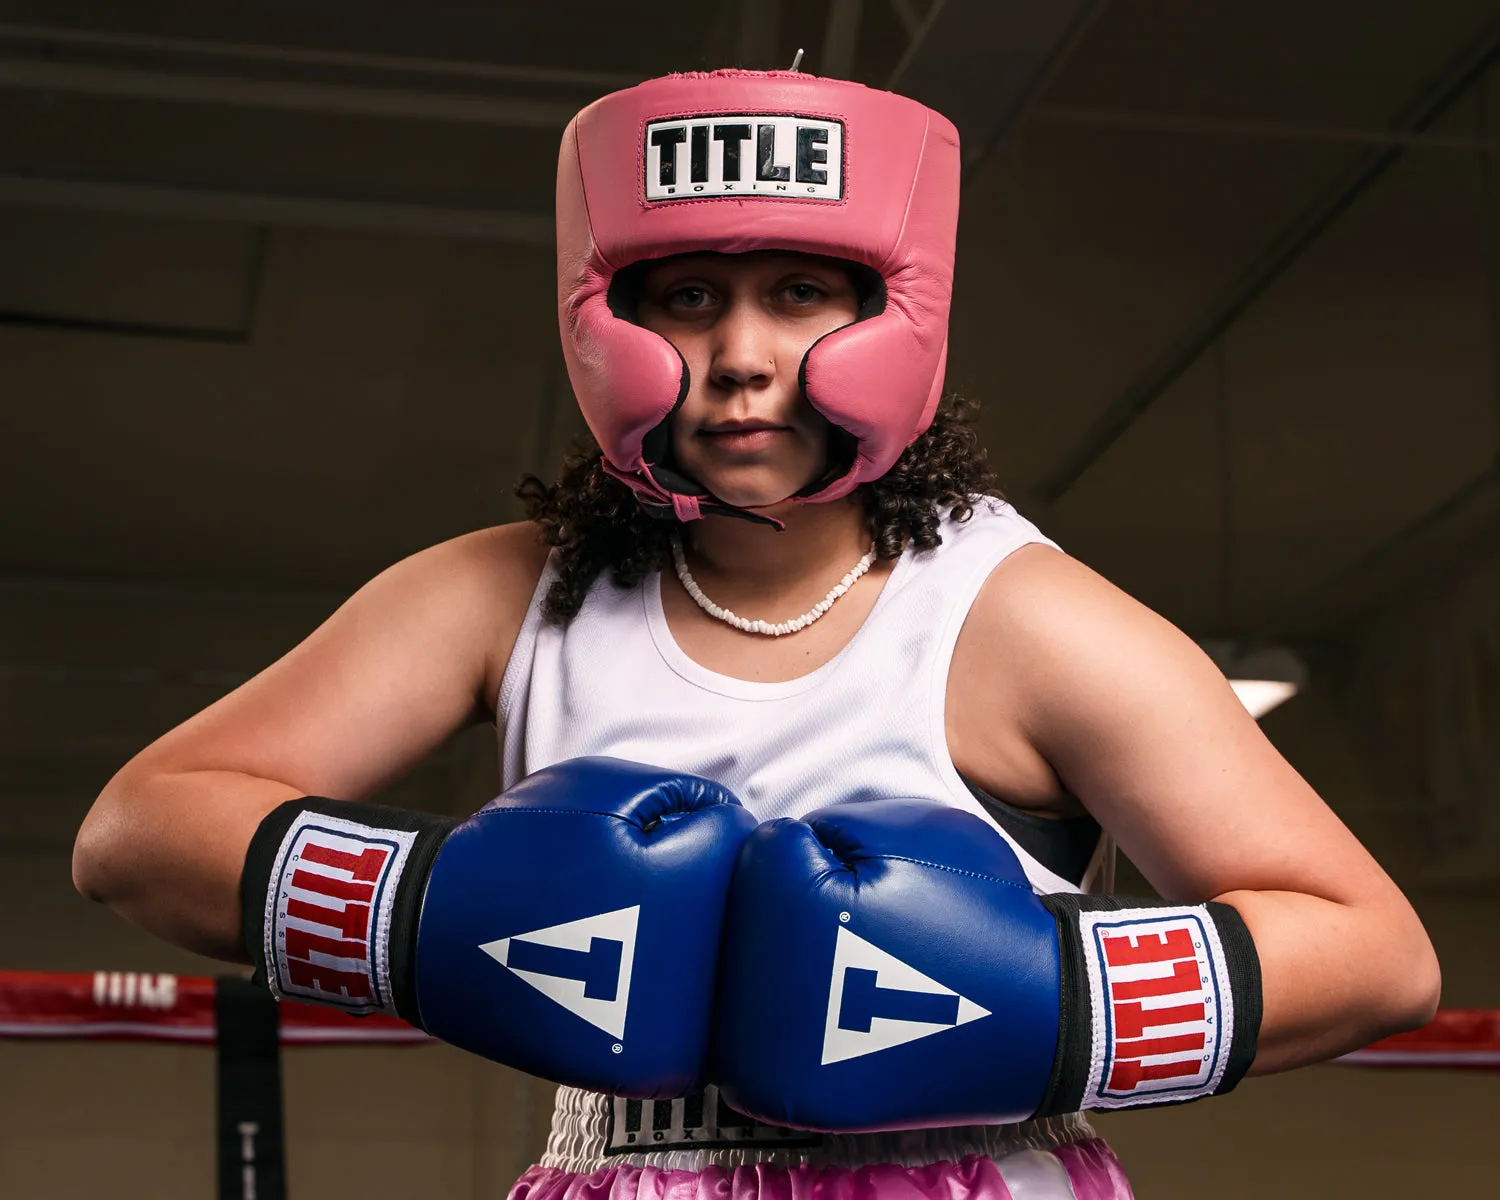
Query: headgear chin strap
735,161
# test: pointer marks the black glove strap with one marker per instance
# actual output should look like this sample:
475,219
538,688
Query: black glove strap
330,898
1205,948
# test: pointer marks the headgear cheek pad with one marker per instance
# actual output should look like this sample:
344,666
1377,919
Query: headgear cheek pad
734,161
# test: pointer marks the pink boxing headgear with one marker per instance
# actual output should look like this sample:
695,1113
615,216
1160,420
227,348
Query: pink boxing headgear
734,161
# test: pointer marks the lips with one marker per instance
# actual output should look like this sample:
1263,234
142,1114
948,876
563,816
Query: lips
746,437
729,427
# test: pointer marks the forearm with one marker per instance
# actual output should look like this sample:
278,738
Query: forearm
165,851
1334,977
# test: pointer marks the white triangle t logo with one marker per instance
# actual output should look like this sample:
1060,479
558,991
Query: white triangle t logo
893,976
568,978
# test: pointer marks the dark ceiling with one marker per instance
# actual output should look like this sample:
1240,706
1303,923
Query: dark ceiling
276,280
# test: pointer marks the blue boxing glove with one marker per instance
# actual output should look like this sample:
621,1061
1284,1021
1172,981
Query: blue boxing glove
569,929
886,965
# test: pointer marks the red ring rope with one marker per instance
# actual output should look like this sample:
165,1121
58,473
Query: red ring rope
146,1006
149,1006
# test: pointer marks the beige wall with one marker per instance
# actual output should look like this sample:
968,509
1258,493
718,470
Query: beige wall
136,1122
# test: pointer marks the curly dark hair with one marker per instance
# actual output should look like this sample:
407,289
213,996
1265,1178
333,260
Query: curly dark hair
597,523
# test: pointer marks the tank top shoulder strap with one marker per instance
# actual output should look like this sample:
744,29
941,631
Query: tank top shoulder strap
513,683
938,587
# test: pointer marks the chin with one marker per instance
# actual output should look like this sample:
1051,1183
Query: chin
759,501
758,498
750,489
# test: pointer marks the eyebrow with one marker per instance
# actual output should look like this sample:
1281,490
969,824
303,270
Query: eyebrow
669,275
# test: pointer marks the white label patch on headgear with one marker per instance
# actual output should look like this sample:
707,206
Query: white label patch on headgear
792,158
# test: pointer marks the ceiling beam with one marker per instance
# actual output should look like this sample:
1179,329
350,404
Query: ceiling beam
1316,604
1194,125
49,39
253,208
906,12
756,33
980,62
286,95
1284,249
841,39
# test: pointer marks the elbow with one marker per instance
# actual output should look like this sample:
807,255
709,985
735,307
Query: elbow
89,859
97,849
1426,988
1415,990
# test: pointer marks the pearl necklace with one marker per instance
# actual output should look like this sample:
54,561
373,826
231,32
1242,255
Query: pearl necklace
782,628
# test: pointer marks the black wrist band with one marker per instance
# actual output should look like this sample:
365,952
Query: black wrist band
330,897
1160,1003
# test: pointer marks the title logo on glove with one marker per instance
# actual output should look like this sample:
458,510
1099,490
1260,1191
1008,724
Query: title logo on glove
584,965
876,1001
790,158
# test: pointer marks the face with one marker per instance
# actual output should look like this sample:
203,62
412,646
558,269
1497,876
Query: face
743,323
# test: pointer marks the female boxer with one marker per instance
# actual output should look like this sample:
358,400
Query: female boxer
787,570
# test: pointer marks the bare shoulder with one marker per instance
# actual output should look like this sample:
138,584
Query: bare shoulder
1137,723
1038,608
1055,653
1039,604
508,559
1072,641
413,656
1025,582
486,577
500,567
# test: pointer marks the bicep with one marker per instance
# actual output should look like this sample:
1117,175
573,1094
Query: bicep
398,668
1146,732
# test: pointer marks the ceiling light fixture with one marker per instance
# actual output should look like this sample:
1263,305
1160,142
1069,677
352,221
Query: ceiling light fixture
1262,678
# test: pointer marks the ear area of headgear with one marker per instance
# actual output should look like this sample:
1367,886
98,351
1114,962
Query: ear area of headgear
623,298
862,377
843,444
627,379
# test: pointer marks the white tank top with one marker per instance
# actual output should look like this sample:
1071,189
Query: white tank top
866,724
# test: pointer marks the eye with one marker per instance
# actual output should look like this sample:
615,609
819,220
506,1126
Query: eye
690,296
804,293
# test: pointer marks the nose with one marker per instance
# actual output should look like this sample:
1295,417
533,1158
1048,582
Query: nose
744,351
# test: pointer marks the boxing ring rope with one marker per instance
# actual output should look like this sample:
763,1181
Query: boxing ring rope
150,1007
248,1029
136,1006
